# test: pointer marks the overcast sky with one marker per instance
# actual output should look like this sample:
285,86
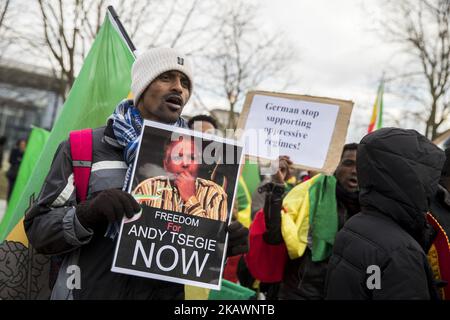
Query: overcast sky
339,53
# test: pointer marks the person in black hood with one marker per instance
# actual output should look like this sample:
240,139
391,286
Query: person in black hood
380,253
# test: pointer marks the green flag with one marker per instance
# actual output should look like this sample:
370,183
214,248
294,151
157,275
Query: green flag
380,94
231,291
104,80
35,144
248,182
228,291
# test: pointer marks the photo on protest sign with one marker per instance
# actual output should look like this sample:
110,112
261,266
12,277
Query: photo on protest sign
185,182
310,130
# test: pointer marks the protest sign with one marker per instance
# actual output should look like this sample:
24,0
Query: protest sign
185,182
310,130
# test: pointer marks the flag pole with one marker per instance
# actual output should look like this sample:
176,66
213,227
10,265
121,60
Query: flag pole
122,30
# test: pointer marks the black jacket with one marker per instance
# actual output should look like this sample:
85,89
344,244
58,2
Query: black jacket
15,158
398,174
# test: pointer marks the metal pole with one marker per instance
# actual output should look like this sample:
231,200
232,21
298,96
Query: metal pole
121,28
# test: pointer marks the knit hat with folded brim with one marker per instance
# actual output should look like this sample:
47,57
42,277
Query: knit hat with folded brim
150,64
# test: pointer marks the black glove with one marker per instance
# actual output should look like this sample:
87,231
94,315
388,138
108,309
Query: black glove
237,239
107,206
272,213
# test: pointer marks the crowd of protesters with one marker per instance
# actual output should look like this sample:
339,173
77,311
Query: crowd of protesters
315,236
361,234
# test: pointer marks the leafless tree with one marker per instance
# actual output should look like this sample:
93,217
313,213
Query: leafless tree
61,35
173,23
70,26
232,54
3,11
422,29
242,56
6,36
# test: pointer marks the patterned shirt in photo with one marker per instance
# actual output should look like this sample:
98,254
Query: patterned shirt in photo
209,201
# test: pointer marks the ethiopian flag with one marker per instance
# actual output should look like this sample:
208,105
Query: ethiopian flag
104,80
310,206
247,184
376,121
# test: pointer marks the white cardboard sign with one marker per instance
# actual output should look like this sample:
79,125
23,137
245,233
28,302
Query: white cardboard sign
310,130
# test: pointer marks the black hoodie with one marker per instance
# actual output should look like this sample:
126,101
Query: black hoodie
398,173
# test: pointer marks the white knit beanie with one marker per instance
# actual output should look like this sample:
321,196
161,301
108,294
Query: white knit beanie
150,64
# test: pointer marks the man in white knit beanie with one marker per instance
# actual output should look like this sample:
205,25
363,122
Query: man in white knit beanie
162,83
83,233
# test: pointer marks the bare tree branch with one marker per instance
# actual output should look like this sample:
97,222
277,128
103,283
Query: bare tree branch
184,24
235,62
422,28
160,30
3,12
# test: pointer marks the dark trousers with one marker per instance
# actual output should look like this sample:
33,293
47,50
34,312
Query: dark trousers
11,182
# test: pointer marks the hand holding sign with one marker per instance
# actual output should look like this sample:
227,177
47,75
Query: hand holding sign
180,235
284,170
237,239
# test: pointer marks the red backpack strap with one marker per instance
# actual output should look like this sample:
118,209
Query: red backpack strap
81,151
